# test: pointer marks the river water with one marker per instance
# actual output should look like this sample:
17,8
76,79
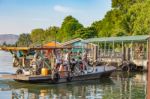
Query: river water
118,86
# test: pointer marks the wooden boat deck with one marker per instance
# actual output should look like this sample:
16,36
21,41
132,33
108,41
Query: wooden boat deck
26,78
98,73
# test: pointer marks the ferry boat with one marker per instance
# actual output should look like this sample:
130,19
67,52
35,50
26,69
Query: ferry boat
53,65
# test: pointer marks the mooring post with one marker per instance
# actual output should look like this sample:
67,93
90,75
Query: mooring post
148,74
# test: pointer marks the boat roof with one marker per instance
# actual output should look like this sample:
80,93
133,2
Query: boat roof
52,44
34,48
118,39
71,41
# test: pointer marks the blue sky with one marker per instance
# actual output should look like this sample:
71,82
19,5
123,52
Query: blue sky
21,16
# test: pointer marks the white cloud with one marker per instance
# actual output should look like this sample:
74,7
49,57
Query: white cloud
63,9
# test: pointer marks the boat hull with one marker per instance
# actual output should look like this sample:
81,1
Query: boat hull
72,79
101,72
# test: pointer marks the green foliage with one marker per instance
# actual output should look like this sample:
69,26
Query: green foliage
85,33
68,28
4,43
24,40
37,36
124,4
137,20
51,34
128,17
110,25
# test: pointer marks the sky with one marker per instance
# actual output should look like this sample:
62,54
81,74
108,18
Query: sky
21,16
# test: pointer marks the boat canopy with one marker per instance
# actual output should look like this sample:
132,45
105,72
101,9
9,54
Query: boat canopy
34,48
14,48
52,44
136,38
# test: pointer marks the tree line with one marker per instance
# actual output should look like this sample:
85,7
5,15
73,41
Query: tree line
127,17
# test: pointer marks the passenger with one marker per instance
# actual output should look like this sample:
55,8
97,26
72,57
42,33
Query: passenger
52,59
46,53
34,60
80,63
62,70
58,61
16,62
67,58
84,56
78,56
84,60
72,64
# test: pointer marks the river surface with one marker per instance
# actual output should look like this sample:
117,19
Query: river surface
118,86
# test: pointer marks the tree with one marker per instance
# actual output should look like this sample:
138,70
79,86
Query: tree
124,4
24,40
110,25
51,34
4,43
37,36
85,33
69,26
137,20
127,17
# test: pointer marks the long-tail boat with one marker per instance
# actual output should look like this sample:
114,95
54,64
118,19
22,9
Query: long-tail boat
39,64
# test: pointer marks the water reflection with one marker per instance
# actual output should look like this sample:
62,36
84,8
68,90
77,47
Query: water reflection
132,87
79,90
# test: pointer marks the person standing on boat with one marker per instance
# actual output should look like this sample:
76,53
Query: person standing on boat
84,56
58,60
78,56
84,60
78,61
72,64
16,62
67,58
34,62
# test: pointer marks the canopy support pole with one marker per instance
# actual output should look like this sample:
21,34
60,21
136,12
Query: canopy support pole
113,48
122,51
147,50
131,50
105,48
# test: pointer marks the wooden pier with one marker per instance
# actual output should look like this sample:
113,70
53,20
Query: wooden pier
131,49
